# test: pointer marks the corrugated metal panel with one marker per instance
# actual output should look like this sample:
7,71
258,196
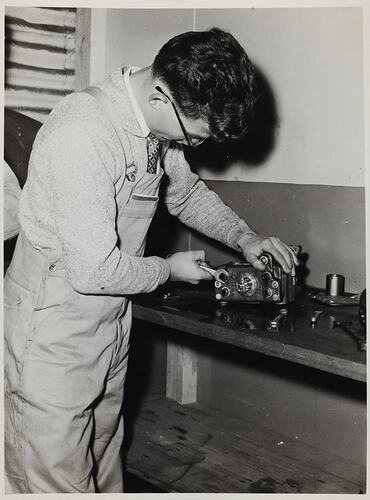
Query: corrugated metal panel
39,58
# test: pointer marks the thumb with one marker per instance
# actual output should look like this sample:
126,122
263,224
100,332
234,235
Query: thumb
256,263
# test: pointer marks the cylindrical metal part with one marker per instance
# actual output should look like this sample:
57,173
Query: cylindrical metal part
334,285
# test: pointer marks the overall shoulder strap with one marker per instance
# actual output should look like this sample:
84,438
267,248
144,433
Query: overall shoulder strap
107,106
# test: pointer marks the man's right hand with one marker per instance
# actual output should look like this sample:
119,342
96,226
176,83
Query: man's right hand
185,267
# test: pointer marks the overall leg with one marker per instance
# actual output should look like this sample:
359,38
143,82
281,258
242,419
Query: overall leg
18,306
109,425
57,359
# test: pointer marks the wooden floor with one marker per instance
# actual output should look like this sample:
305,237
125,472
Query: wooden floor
197,450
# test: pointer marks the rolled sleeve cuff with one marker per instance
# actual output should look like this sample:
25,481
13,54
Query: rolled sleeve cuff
242,235
165,270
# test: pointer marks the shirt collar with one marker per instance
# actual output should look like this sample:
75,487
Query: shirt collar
135,105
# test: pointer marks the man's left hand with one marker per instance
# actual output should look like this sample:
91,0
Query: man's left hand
253,245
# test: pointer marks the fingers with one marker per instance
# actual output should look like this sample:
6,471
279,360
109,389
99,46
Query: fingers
199,256
256,263
205,275
295,258
185,267
202,274
283,254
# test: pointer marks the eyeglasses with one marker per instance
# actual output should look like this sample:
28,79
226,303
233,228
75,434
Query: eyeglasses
186,135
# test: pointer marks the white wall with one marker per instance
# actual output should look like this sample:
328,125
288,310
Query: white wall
312,59
134,36
98,44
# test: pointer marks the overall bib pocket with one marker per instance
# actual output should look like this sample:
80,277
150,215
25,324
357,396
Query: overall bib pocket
134,221
140,206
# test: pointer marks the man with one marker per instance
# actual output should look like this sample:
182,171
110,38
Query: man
91,193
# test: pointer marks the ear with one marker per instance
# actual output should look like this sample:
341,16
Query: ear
155,99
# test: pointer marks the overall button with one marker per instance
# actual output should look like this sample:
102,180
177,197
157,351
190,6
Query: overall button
131,172
131,177
52,267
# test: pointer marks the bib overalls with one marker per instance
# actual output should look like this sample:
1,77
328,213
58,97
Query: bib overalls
65,362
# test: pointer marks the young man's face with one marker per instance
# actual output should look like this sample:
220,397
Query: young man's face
168,123
197,131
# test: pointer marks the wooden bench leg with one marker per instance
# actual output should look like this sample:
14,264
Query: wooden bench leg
182,373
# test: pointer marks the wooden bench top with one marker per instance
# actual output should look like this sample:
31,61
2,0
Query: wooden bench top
244,325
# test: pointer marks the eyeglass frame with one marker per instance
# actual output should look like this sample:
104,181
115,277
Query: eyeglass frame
186,135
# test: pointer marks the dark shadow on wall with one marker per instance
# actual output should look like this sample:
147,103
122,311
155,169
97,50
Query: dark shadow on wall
254,148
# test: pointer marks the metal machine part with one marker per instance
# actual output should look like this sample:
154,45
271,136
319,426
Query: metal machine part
241,282
273,325
334,293
315,317
340,300
220,275
334,285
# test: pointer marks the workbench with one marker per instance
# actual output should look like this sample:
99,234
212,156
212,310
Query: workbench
179,445
245,325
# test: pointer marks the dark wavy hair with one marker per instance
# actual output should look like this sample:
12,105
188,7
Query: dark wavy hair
210,77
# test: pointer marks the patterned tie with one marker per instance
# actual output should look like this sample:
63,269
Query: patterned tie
153,152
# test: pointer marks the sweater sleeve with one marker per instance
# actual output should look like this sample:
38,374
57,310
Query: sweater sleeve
12,194
80,189
189,199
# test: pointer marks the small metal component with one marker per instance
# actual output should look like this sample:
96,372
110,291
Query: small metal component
264,259
170,295
131,172
273,325
247,284
334,285
221,275
131,177
267,292
315,317
218,274
296,248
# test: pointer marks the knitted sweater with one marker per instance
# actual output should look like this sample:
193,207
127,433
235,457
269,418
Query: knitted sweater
68,204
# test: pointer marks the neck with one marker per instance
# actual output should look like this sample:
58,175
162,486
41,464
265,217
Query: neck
142,86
